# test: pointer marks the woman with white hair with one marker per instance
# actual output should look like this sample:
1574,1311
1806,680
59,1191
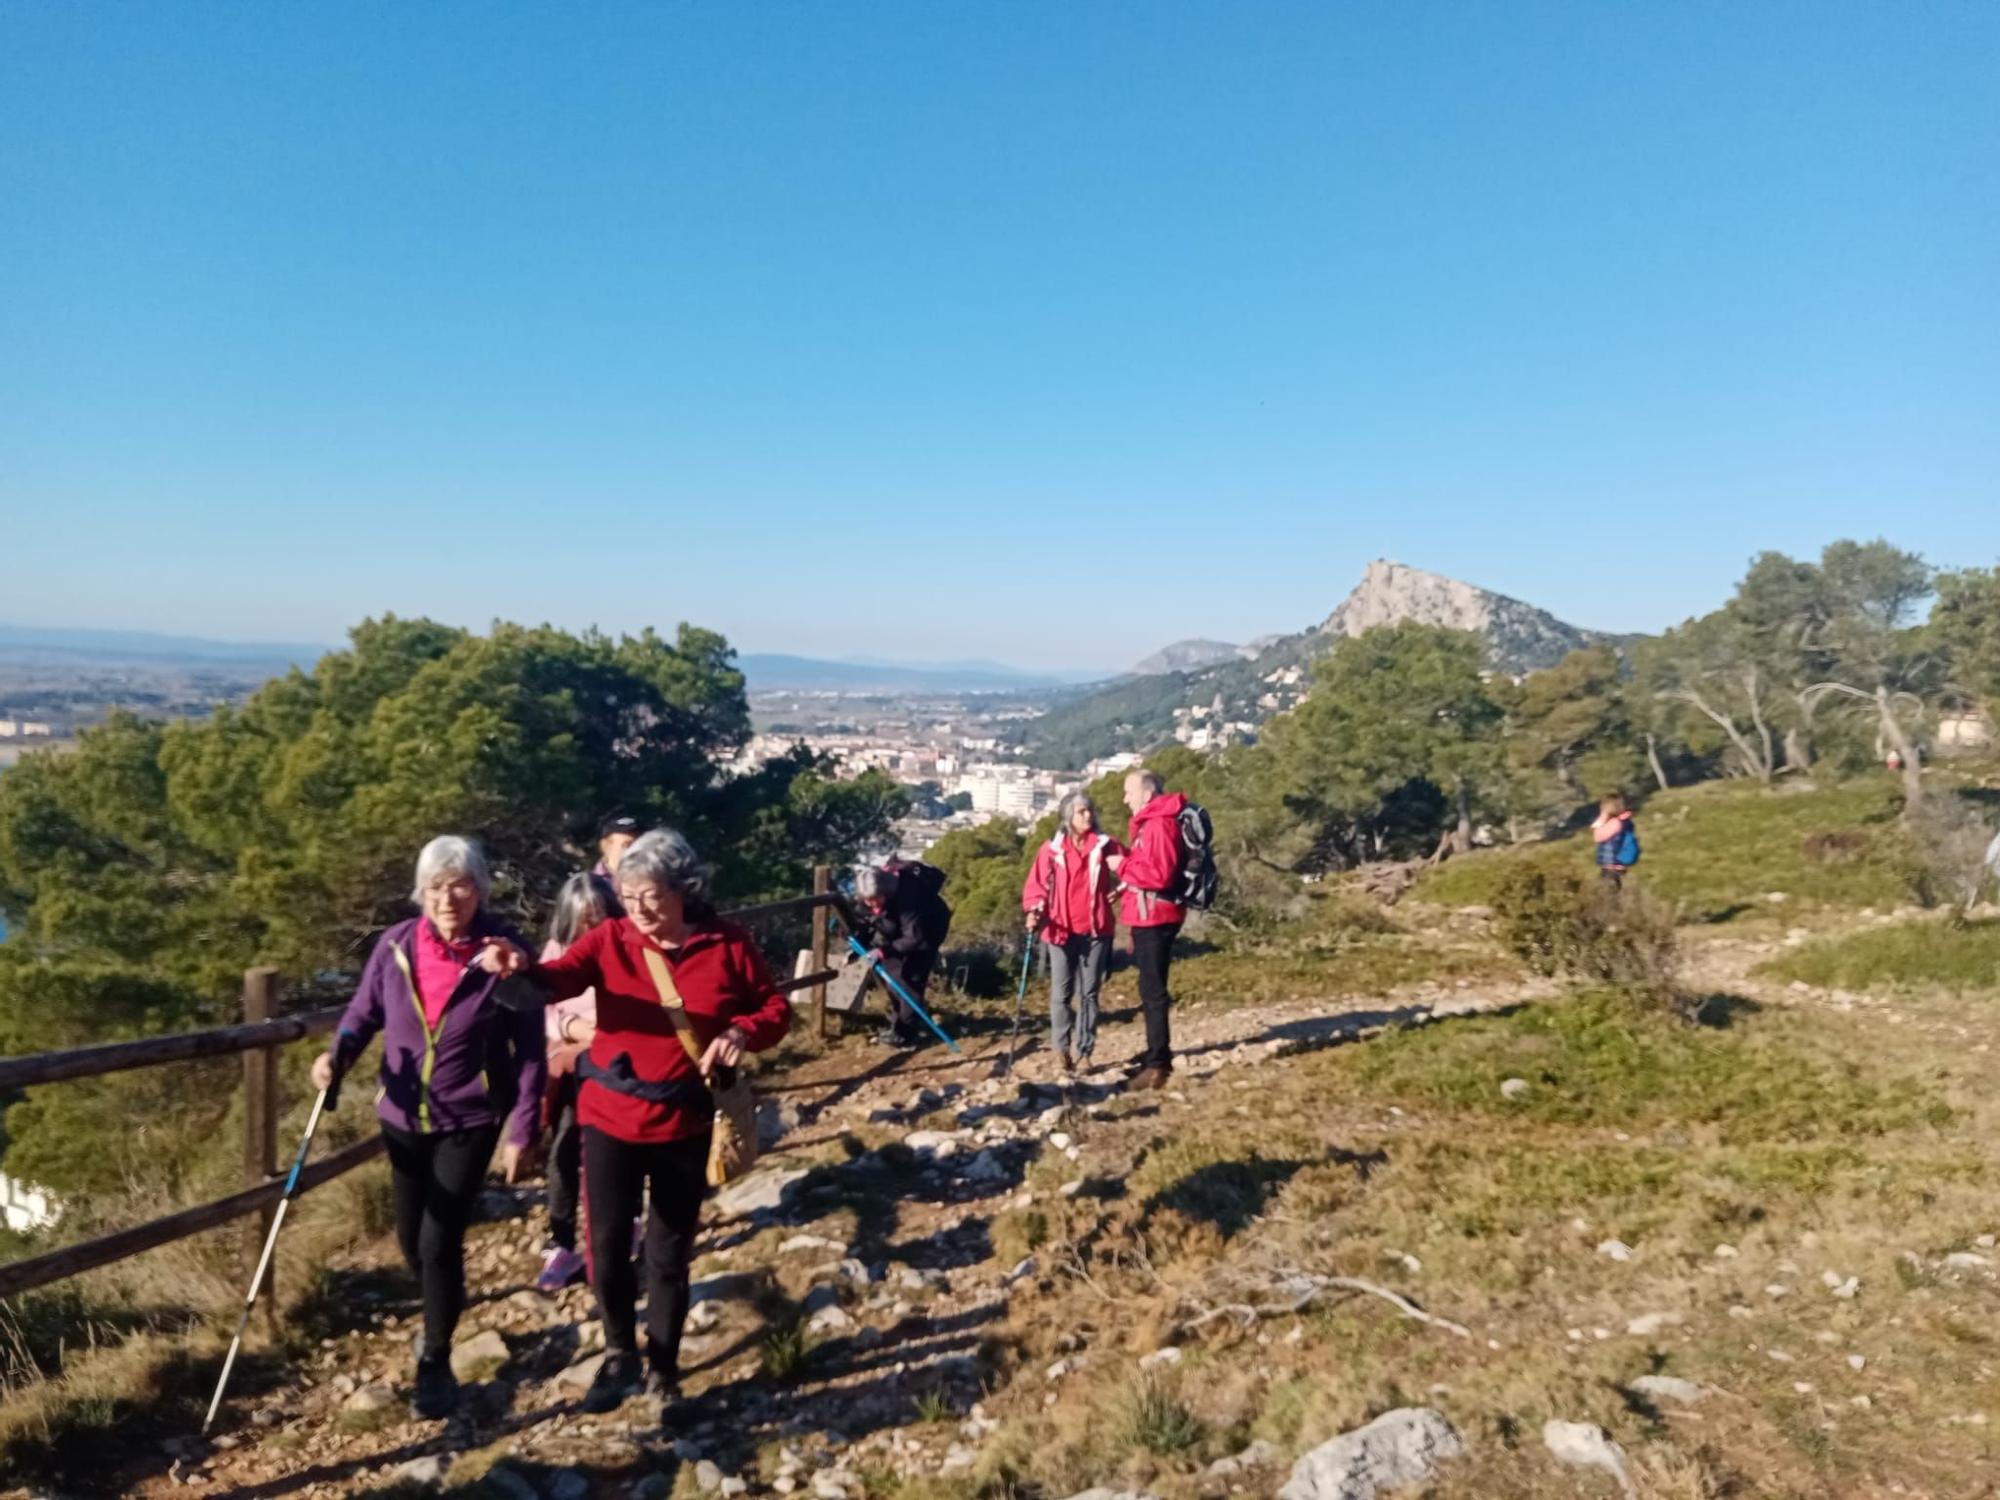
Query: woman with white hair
1067,898
460,1072
644,1106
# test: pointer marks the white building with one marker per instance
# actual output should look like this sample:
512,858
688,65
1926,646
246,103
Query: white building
26,1207
1104,765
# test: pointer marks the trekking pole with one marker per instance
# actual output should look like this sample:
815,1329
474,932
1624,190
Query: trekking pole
1020,999
329,1098
901,993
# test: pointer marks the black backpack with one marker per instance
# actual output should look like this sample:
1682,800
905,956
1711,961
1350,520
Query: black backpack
932,909
1195,885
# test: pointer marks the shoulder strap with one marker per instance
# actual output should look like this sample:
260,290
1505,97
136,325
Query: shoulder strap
670,1001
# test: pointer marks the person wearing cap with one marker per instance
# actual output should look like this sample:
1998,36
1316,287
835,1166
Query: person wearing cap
614,836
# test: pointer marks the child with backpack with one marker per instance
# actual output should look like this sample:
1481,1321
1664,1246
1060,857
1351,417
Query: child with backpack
1617,840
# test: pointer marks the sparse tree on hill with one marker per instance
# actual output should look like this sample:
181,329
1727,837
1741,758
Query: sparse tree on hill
1393,709
1965,623
1570,736
1862,652
1711,669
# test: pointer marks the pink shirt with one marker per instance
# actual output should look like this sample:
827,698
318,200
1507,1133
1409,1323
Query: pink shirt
562,1054
440,965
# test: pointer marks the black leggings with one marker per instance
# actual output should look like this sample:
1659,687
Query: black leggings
1153,954
565,1160
435,1179
614,1174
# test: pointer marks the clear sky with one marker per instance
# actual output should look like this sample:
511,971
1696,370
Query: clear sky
1042,332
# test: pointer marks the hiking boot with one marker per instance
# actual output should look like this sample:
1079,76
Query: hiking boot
561,1267
901,1041
618,1380
437,1388
675,1407
1149,1078
1065,1064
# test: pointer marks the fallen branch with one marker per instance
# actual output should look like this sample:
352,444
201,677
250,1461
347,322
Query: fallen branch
1246,1314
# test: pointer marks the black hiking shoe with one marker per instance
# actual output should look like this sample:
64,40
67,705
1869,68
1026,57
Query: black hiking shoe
437,1388
618,1380
664,1388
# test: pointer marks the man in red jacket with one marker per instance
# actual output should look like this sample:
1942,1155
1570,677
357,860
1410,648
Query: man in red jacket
1151,876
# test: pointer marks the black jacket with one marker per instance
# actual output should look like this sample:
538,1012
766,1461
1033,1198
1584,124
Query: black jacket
908,930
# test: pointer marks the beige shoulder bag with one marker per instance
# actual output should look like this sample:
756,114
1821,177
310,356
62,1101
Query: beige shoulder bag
732,1150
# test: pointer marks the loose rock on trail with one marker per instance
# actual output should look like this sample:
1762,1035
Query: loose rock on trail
894,1313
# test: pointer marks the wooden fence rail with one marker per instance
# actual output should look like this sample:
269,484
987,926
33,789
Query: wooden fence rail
258,1037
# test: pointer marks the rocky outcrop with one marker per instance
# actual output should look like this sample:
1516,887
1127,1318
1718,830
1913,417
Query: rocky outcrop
1519,637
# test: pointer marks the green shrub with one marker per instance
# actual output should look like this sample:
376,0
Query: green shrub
1566,922
786,1350
1157,1420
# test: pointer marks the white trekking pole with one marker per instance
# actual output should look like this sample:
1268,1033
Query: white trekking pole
328,1099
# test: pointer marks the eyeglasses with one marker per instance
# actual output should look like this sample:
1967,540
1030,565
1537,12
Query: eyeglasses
457,889
646,898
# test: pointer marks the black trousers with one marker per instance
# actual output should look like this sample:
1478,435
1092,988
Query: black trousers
434,1180
1153,954
565,1162
914,974
615,1173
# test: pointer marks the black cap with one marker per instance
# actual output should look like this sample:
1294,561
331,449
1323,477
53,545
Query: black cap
619,823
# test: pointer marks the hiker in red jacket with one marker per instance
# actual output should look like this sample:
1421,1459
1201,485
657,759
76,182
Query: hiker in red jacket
1148,873
1067,899
644,1106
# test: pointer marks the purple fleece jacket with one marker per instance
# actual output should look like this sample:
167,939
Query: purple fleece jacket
485,1063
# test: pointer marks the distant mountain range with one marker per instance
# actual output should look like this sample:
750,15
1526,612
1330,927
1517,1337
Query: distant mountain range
20,641
765,671
774,672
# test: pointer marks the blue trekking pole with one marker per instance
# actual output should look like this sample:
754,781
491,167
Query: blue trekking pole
328,1099
901,993
1020,999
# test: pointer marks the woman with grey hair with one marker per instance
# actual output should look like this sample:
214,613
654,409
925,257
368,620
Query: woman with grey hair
584,901
1067,898
460,1072
644,1106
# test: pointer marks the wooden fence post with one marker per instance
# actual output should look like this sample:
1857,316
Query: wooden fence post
822,883
260,1124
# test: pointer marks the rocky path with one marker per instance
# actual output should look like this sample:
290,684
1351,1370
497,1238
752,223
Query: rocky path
1728,962
843,1292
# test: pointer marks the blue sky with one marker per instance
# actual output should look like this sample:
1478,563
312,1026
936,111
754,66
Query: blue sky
1040,332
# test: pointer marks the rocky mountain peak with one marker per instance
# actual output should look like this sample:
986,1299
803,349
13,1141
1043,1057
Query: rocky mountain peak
1520,637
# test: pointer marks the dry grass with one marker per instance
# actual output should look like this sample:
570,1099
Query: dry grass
1805,1143
133,1348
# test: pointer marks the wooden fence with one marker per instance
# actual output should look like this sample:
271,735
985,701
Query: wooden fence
262,1032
